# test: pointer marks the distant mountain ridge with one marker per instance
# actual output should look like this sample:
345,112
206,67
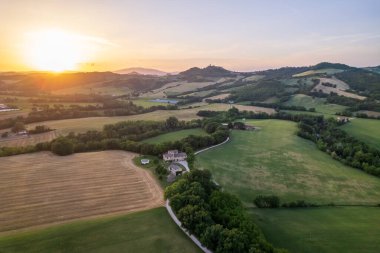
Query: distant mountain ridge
365,81
141,71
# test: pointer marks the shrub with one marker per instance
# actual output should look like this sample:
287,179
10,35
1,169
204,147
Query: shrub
267,201
299,203
18,126
40,129
62,146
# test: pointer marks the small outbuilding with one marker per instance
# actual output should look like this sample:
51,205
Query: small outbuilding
175,169
145,161
23,133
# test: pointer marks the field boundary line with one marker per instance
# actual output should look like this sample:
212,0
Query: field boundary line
205,149
179,224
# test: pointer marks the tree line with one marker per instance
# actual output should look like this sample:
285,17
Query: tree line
127,136
273,201
337,143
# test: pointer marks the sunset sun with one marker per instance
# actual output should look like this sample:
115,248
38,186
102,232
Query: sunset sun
55,50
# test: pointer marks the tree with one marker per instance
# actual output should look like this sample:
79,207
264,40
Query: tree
172,123
160,170
18,126
267,201
211,237
233,112
233,241
195,218
62,146
211,127
239,125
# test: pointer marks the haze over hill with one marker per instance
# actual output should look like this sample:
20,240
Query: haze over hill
141,71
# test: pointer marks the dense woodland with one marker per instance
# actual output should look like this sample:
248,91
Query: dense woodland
260,91
216,217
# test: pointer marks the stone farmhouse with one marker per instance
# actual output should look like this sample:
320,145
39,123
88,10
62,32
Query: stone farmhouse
174,156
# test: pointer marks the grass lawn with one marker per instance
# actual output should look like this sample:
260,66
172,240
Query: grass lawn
366,130
273,160
151,166
175,136
328,230
147,231
317,103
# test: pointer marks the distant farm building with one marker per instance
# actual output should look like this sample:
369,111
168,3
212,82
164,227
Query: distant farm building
343,119
144,161
175,169
174,155
24,132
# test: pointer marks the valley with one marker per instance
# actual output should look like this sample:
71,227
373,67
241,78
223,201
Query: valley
101,189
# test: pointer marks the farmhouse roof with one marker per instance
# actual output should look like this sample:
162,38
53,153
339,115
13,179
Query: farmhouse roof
174,154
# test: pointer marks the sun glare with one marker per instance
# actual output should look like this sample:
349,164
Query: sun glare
55,50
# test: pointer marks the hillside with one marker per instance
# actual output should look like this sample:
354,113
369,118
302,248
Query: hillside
329,65
141,71
209,71
374,69
335,82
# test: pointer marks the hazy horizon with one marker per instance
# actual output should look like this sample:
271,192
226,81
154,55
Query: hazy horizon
173,36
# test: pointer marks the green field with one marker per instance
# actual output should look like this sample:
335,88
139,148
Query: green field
366,130
317,103
96,123
94,88
319,71
273,160
147,231
26,106
175,136
327,230
146,103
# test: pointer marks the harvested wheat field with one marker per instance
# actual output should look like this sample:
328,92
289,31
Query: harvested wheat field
22,141
340,89
41,188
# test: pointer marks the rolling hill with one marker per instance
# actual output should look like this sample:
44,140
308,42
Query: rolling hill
141,71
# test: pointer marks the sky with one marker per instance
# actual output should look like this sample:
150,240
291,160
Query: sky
173,35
